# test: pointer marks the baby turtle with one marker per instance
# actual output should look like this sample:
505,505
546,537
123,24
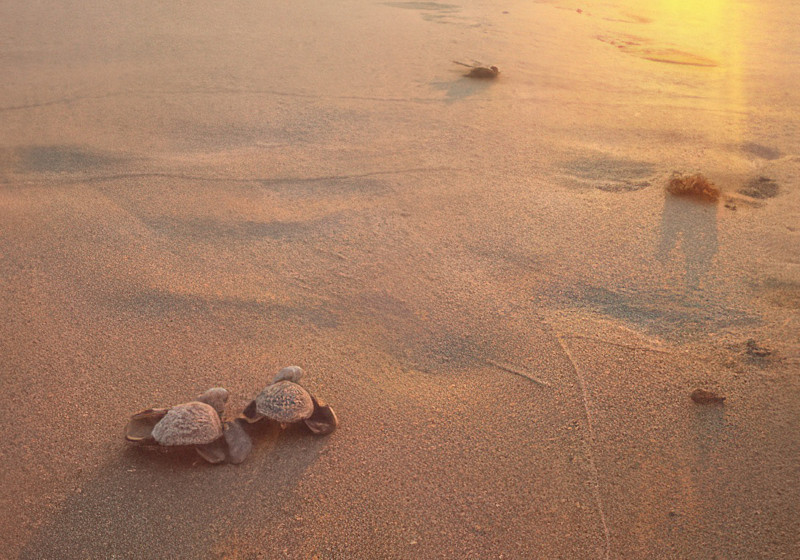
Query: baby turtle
286,402
194,424
483,73
480,72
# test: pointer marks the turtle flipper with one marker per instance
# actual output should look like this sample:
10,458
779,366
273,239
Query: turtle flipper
250,414
237,442
213,452
323,420
140,426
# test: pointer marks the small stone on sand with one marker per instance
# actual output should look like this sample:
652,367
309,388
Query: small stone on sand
701,396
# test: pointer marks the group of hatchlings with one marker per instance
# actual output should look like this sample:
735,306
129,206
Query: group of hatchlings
199,423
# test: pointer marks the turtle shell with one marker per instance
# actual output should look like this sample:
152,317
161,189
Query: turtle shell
193,423
483,73
285,401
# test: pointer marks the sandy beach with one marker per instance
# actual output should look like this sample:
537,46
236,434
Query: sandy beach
485,278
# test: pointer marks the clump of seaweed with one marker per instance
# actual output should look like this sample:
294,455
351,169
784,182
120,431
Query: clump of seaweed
695,185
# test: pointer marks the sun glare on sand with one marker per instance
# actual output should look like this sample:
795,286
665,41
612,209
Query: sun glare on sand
714,29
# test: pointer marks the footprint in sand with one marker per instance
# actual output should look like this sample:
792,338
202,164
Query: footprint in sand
781,292
626,17
758,150
643,48
760,187
56,159
437,13
611,174
607,15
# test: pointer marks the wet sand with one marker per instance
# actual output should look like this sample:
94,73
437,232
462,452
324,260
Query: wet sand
485,279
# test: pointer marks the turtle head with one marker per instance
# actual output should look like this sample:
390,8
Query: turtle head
494,69
289,373
216,397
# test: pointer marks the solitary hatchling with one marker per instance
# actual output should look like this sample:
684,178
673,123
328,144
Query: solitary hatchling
480,72
194,424
286,402
483,73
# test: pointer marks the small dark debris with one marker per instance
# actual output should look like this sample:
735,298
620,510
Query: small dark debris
731,205
701,396
753,349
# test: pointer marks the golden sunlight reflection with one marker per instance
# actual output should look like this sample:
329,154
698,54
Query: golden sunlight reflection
710,35
713,29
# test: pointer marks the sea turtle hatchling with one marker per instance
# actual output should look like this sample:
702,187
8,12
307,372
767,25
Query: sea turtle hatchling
195,424
286,402
480,72
483,73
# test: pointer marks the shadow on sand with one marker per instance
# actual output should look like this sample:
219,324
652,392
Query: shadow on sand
461,88
156,503
692,226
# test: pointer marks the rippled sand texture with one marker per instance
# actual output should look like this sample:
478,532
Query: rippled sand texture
484,278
